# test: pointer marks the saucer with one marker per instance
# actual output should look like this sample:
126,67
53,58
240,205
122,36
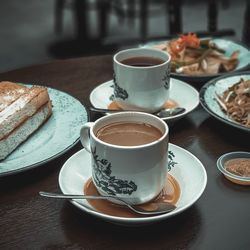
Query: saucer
185,95
183,166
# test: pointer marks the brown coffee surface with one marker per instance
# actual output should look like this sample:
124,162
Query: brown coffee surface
128,133
170,193
142,61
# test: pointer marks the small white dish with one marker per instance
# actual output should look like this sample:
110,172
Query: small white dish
185,95
183,166
241,180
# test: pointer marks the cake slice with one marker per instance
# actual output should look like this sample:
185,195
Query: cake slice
22,111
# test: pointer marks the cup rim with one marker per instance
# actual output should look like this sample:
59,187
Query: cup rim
141,67
165,134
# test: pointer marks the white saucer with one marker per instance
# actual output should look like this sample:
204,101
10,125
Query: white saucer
184,94
184,167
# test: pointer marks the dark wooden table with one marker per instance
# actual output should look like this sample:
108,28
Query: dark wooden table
220,219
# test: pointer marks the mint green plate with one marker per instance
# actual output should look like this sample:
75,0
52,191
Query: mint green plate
55,137
229,47
216,87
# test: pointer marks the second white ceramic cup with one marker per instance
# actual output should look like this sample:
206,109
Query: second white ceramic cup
141,88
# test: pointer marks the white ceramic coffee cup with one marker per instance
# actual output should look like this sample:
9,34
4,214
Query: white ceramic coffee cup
141,88
137,173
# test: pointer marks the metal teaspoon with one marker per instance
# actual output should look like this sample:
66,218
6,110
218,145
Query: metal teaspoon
159,208
163,113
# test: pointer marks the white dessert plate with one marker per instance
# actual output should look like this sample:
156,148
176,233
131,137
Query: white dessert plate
55,137
185,95
215,87
183,166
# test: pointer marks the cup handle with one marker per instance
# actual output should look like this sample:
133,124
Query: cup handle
85,135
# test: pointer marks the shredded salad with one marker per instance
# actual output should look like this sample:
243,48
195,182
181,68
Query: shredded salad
194,56
235,102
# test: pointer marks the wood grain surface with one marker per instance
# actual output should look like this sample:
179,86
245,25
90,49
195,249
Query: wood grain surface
218,220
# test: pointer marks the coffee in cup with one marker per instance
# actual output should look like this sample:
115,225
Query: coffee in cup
128,155
128,133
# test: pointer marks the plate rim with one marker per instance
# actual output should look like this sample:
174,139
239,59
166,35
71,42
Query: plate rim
211,112
138,220
169,119
56,155
37,164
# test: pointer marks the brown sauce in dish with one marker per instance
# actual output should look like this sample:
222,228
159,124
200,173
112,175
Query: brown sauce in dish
238,166
170,193
168,104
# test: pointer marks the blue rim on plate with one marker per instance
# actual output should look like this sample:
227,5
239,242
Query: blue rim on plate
56,136
219,85
229,47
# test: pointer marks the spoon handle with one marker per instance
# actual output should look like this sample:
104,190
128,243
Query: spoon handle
161,207
104,111
162,113
73,196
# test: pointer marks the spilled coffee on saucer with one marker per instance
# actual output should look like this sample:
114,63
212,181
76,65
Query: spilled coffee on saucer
129,133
